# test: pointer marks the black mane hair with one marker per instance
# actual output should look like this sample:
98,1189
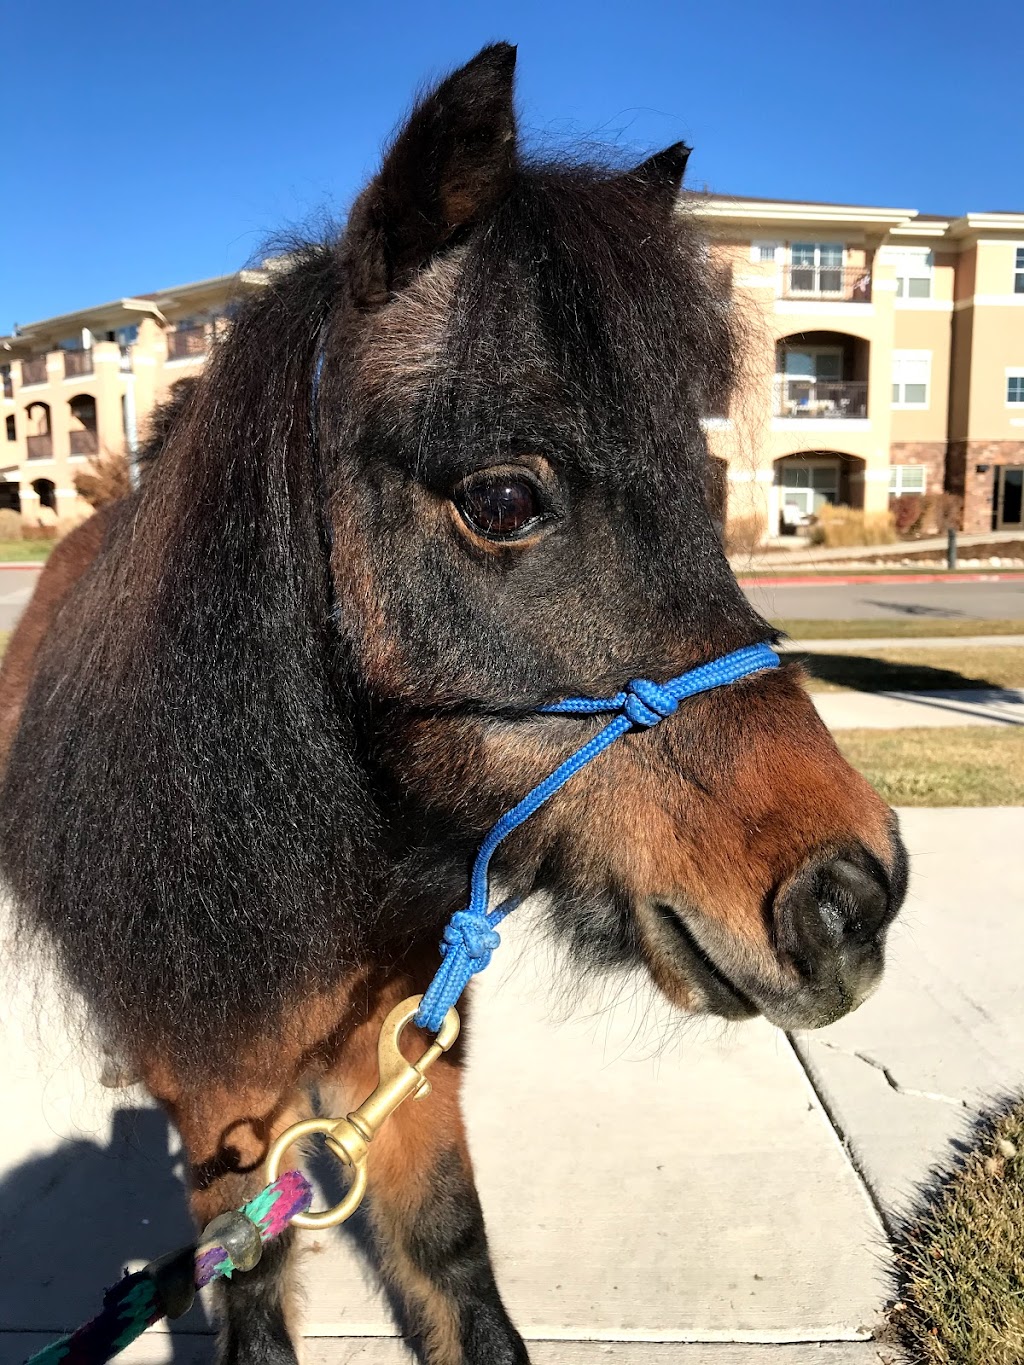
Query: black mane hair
188,815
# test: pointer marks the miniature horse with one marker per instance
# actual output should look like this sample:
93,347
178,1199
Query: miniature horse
444,470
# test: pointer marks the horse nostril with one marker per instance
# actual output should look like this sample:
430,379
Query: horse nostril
854,900
831,908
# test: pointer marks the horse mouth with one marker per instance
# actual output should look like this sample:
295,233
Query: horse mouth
720,995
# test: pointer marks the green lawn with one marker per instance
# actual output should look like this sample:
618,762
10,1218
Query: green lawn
902,627
35,550
971,765
960,1261
914,669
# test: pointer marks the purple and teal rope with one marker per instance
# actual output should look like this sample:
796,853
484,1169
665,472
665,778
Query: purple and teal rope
136,1301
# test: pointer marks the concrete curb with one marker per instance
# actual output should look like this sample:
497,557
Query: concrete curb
824,579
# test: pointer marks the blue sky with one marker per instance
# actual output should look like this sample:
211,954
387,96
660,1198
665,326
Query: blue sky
153,143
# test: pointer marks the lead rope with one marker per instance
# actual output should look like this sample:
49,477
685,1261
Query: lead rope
166,1287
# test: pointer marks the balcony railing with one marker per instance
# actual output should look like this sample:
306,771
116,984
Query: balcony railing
33,371
8,386
126,360
77,363
833,284
40,447
829,398
83,442
187,342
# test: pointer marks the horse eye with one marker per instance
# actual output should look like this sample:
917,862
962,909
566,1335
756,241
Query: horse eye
501,506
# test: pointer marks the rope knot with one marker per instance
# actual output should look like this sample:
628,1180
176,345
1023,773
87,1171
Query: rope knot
647,703
472,933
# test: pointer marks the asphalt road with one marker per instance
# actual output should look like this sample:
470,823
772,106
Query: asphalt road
16,587
981,601
893,601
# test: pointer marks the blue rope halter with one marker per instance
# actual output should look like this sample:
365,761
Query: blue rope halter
471,934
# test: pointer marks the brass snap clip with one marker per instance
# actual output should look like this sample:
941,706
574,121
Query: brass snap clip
349,1138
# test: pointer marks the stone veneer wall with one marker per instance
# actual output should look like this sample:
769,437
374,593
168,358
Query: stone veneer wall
932,454
978,489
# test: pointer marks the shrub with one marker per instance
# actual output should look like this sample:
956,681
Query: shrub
907,511
837,526
10,524
104,479
926,514
743,535
943,512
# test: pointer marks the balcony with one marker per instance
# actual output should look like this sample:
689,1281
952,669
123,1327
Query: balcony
33,371
83,442
77,363
8,386
40,447
187,343
820,398
827,284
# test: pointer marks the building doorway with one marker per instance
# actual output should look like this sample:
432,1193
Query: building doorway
1010,497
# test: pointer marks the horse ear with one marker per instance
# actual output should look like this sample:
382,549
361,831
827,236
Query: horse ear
663,172
447,167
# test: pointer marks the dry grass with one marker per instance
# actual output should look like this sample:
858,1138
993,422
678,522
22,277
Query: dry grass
961,1259
969,765
907,627
837,526
915,669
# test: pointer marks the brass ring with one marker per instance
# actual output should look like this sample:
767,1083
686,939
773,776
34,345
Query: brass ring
326,1218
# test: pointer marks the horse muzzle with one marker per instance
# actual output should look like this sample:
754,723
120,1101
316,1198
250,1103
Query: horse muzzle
825,951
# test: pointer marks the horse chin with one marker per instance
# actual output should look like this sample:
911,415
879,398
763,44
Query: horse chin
686,971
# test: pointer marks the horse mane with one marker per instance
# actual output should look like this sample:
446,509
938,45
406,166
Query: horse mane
186,816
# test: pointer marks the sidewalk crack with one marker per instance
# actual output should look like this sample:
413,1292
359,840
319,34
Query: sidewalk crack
910,1091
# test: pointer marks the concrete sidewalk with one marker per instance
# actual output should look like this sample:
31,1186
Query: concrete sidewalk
657,1190
849,710
905,1075
867,645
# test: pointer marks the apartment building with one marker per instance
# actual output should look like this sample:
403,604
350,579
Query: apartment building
82,384
883,354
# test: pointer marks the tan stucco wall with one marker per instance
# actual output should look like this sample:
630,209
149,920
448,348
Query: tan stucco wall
994,271
925,330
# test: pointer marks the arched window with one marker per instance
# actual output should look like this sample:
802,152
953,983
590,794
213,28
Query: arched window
38,438
83,425
46,491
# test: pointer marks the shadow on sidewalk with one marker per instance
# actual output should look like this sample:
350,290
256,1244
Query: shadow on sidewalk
71,1220
865,674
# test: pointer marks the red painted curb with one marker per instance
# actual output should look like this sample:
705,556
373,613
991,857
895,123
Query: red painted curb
830,580
23,564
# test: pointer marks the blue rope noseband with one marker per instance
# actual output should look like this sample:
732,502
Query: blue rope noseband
471,934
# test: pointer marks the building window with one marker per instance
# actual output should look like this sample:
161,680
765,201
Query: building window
1018,271
12,430
763,251
911,374
1015,387
906,478
915,267
816,268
